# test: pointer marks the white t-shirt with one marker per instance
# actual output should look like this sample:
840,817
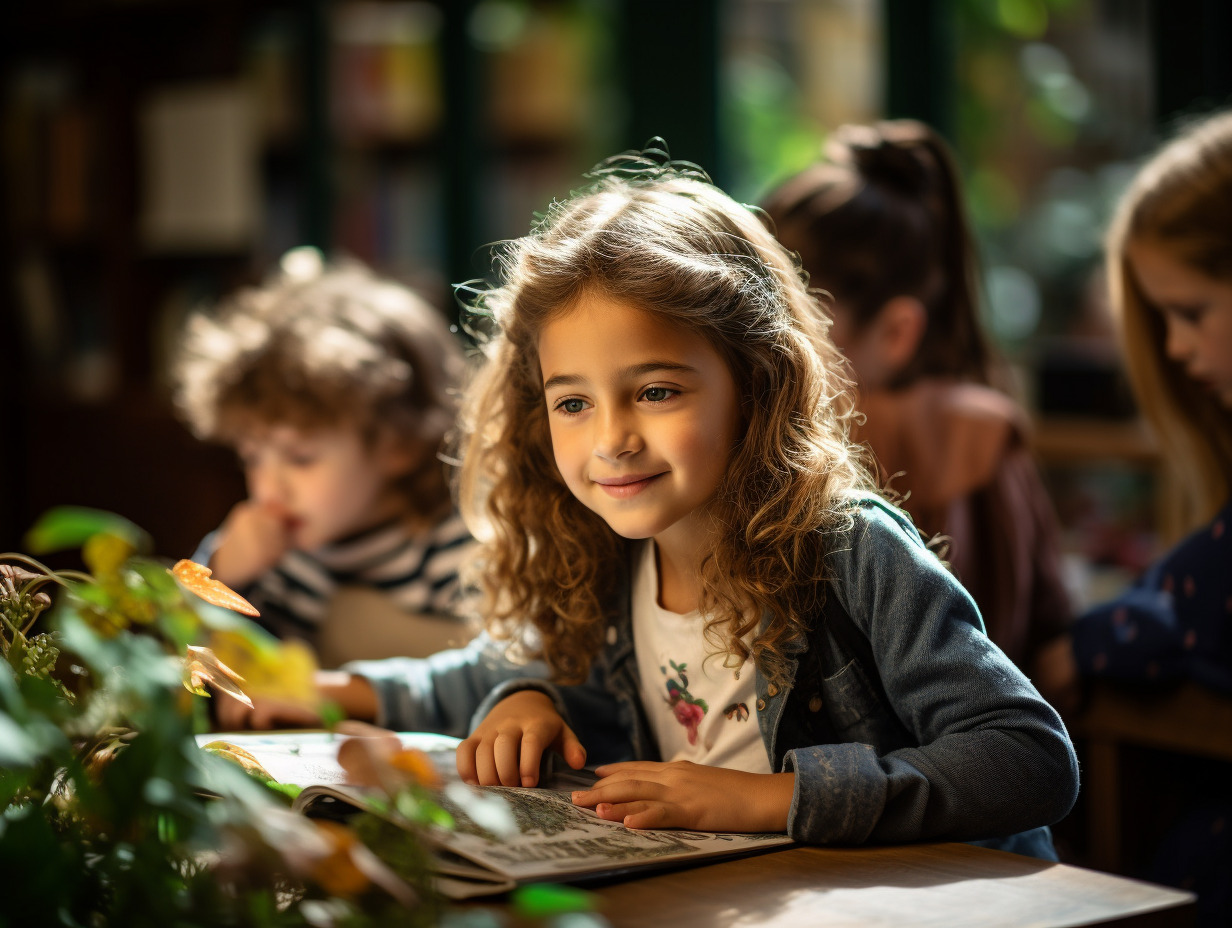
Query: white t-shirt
699,710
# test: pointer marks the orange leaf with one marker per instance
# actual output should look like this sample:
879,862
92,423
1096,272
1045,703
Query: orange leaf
338,871
196,579
417,765
202,667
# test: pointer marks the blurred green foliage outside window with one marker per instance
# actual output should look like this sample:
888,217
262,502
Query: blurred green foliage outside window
1052,103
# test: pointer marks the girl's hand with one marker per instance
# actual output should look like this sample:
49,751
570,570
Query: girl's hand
507,746
253,539
681,794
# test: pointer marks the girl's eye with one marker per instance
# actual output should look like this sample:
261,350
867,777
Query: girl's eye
658,394
572,406
1189,314
301,460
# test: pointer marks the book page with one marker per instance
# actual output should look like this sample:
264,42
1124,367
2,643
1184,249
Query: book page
558,840
310,758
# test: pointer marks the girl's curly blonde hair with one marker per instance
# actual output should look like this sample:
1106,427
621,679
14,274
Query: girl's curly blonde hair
326,346
659,235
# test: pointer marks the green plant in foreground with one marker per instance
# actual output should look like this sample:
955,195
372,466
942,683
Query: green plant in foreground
111,814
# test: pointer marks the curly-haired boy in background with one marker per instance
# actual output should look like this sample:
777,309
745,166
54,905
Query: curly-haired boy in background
336,389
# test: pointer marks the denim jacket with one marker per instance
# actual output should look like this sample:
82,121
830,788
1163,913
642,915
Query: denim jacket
943,738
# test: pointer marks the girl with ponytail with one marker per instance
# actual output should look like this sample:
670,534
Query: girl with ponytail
880,224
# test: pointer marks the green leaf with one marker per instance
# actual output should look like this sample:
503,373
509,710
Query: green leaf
71,526
17,748
153,573
331,713
541,900
289,790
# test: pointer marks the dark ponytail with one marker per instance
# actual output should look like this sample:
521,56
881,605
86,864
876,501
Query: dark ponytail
883,216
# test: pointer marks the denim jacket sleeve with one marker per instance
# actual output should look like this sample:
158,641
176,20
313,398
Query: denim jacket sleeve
446,692
979,752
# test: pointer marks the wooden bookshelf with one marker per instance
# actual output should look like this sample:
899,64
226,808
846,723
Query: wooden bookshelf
1112,446
380,132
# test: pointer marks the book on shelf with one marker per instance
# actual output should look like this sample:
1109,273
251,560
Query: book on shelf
554,841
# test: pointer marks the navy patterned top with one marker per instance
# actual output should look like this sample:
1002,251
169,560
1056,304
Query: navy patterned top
1175,623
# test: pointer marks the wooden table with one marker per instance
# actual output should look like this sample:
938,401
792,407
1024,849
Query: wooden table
914,886
1188,720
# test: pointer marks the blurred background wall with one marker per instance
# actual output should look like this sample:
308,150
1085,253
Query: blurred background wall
158,153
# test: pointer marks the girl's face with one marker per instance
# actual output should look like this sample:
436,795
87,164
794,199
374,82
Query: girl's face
643,417
324,483
1197,311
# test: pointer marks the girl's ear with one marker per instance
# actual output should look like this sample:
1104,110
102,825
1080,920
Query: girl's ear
897,330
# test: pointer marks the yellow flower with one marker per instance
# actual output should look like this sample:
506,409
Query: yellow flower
277,670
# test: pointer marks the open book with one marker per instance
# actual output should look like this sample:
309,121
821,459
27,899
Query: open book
556,841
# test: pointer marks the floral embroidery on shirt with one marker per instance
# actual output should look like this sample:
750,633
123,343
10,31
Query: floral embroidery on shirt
688,709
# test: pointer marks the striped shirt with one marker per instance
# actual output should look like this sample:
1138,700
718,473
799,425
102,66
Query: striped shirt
417,571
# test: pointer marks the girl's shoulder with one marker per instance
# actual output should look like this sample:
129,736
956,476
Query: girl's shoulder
866,517
948,437
879,554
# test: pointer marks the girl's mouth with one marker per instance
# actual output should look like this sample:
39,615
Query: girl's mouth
625,487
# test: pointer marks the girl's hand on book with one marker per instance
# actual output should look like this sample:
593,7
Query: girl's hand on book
681,794
507,746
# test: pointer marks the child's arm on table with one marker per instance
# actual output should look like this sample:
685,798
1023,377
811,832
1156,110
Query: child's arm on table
442,693
527,717
986,757
351,692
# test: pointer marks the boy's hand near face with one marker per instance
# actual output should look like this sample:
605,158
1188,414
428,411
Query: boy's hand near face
252,540
507,746
681,794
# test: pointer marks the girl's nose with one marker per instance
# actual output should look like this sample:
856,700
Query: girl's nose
1178,340
616,436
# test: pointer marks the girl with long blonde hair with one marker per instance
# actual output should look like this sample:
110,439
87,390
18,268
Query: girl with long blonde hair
1169,264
